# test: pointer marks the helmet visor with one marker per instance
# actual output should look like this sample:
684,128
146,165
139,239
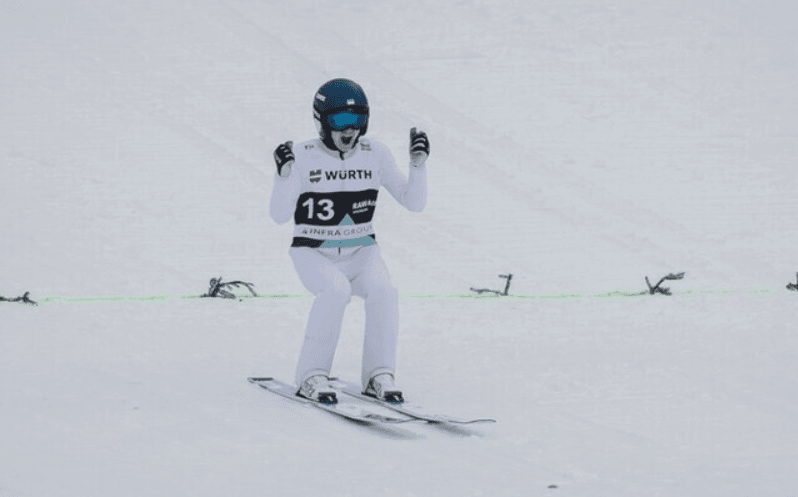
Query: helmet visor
347,119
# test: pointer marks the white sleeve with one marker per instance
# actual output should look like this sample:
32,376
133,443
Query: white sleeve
410,193
284,196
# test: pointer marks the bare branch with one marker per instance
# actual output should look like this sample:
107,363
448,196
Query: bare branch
24,299
661,289
217,288
506,291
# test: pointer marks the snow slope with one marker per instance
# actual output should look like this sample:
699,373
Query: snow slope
580,145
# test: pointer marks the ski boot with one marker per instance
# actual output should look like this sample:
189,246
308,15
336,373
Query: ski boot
383,388
318,389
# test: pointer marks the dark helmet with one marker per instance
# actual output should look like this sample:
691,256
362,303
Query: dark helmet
339,104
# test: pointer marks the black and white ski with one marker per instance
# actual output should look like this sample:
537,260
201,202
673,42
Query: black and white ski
348,410
414,411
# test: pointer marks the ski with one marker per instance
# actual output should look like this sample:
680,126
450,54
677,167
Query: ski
346,410
414,411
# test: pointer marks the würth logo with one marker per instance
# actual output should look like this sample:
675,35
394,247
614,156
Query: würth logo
315,176
351,174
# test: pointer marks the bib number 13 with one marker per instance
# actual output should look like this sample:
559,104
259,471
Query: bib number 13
324,206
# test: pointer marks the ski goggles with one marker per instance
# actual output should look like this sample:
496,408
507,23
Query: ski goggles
347,119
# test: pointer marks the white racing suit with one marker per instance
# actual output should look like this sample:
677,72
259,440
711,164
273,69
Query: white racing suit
332,198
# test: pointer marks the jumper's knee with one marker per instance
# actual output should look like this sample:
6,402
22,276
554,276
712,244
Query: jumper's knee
339,292
384,291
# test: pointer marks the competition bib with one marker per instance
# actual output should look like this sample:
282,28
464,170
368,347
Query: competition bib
335,219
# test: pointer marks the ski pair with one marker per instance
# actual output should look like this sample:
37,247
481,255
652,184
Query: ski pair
349,410
356,412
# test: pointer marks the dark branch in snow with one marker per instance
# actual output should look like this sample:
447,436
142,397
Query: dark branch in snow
661,289
497,292
24,299
217,288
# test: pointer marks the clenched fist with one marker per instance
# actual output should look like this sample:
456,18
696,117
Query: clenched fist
284,156
419,148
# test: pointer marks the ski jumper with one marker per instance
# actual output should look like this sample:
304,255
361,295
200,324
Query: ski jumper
332,197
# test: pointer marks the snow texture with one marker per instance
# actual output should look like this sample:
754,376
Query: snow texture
580,145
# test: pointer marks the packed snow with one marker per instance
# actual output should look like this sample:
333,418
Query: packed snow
580,146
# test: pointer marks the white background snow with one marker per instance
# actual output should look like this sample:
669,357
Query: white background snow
580,145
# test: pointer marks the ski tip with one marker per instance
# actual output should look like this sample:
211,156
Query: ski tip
253,379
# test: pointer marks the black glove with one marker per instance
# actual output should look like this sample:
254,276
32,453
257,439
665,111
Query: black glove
283,155
419,147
